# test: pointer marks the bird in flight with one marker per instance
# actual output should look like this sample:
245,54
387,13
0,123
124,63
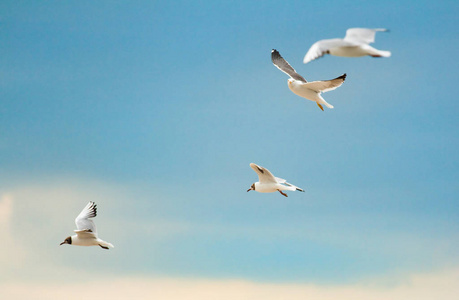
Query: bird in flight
355,44
269,184
86,234
299,86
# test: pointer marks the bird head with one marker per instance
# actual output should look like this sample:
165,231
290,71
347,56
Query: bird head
252,187
68,240
290,81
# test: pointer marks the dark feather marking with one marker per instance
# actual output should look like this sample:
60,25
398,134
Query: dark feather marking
283,65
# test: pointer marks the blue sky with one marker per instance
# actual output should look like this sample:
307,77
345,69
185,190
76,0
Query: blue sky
154,110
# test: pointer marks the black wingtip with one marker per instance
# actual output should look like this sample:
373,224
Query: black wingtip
343,77
94,208
275,55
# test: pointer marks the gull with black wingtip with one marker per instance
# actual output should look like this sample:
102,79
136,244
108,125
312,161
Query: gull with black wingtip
86,234
299,86
269,184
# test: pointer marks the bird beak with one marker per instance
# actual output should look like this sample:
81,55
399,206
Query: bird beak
62,243
249,190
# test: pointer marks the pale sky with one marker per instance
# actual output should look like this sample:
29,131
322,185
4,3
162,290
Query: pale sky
154,110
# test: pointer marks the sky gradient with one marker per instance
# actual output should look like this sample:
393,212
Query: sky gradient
154,110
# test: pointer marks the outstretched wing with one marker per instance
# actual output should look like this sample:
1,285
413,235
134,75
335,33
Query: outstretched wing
362,35
294,186
280,180
284,66
323,47
283,181
264,176
83,222
326,85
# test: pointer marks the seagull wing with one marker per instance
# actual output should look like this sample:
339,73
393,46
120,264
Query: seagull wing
283,181
362,35
323,47
280,180
264,176
284,66
317,50
83,222
326,85
294,186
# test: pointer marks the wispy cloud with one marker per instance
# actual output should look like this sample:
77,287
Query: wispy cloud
437,285
37,215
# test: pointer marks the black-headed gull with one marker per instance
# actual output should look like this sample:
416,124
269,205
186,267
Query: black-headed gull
86,234
269,184
355,44
299,86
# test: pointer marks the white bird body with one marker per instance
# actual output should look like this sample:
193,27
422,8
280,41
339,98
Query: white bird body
355,44
303,90
269,184
299,86
86,234
356,51
272,187
88,240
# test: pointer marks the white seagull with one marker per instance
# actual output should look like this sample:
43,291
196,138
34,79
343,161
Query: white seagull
298,85
269,184
86,234
354,44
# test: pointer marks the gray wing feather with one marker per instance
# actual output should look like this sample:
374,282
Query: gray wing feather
284,66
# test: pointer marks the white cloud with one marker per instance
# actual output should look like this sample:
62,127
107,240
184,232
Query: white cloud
6,209
11,253
439,285
34,218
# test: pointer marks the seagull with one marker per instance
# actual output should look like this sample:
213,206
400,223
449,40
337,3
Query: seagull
298,85
86,234
270,184
355,44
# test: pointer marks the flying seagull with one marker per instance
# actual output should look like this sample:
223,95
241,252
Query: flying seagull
86,234
355,44
269,184
298,85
